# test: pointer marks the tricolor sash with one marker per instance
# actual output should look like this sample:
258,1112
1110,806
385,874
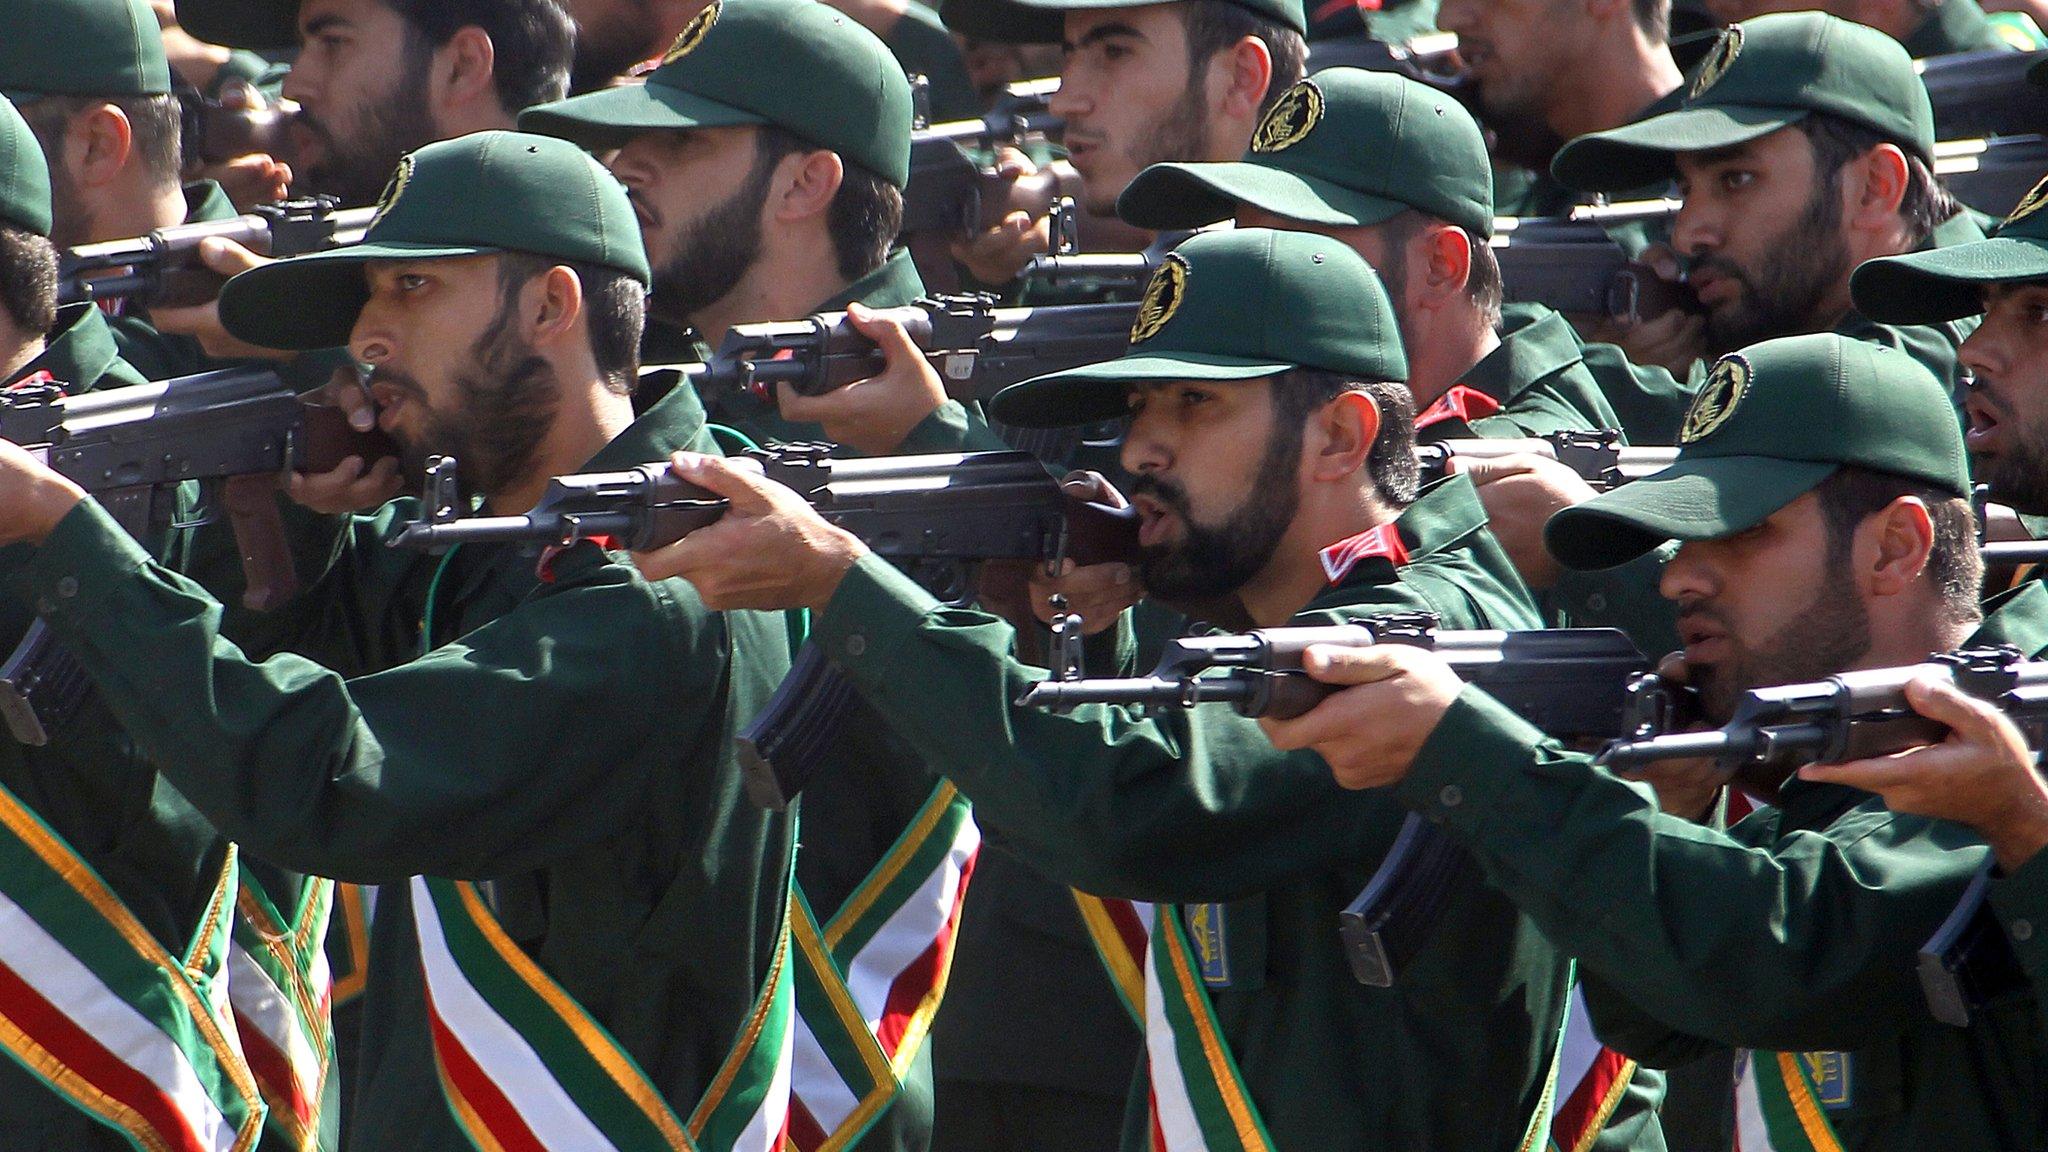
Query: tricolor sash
869,981
137,1038
348,941
1591,1077
282,1001
1777,1105
524,1067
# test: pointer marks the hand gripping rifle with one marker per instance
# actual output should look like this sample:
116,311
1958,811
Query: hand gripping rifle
235,431
163,269
1600,458
954,193
1570,682
937,517
1860,714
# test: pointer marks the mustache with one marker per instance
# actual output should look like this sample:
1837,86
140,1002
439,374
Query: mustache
311,123
1699,611
1165,491
406,385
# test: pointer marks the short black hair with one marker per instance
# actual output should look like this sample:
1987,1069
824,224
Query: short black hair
1836,142
1654,18
1396,476
614,307
1852,495
1213,25
28,280
155,124
532,42
865,215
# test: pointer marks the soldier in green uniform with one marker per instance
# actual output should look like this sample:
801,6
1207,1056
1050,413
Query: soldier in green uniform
765,195
1821,498
1925,27
1275,471
1803,148
472,717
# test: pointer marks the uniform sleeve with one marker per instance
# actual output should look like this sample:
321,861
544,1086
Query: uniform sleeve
2020,901
953,427
526,741
1808,944
1192,806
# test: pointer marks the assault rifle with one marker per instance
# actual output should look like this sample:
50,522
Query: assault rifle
163,269
1859,714
1978,94
937,517
955,194
1599,458
1571,682
1574,265
235,431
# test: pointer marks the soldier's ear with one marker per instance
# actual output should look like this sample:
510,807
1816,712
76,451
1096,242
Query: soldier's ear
1903,533
463,71
805,184
98,142
1877,187
551,306
1446,261
1341,434
1245,70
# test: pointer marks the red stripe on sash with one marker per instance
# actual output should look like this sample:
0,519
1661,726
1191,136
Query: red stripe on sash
273,1068
803,1129
75,1048
492,1110
1128,926
909,990
1580,1111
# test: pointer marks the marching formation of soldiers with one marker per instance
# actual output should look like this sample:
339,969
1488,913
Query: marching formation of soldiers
1222,575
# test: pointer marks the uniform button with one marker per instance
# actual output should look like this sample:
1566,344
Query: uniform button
1597,602
45,606
2023,930
67,587
856,645
1451,796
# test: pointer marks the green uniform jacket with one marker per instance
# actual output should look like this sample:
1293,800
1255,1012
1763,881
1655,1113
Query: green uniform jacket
1795,930
95,789
924,48
571,742
1196,807
1933,345
1547,379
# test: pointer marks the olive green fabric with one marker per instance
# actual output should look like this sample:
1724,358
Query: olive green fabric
1939,284
1344,147
24,174
602,800
1234,305
1955,26
924,48
2020,902
1198,807
81,48
1795,930
1044,21
831,82
1772,421
484,192
258,25
1547,379
1766,74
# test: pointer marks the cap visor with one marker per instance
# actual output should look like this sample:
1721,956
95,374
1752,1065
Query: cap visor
1637,154
1943,283
312,301
608,118
1702,499
258,25
1192,195
1019,21
1095,392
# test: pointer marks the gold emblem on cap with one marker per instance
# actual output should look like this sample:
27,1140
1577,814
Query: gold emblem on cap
1718,60
1291,118
1169,285
1725,387
692,34
2028,205
393,188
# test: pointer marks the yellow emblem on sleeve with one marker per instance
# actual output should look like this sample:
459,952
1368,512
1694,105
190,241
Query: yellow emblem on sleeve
1717,62
1162,298
1725,387
692,34
1291,118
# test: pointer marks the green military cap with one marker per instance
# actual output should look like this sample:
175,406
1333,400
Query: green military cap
24,175
258,25
1946,283
1769,424
81,48
1044,21
797,64
485,192
1343,147
1763,75
1232,305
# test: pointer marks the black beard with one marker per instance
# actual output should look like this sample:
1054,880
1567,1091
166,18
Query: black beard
1782,297
506,404
1211,563
2018,476
356,169
714,253
1829,636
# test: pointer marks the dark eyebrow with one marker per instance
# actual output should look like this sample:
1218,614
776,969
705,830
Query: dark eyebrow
1099,33
1722,155
319,24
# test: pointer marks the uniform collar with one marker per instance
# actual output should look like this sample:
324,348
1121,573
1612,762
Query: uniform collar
676,421
894,284
1535,343
2017,616
80,352
206,201
1442,518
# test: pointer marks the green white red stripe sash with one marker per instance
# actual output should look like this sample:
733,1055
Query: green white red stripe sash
1776,1106
282,1001
871,979
525,1069
1592,1077
96,1008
